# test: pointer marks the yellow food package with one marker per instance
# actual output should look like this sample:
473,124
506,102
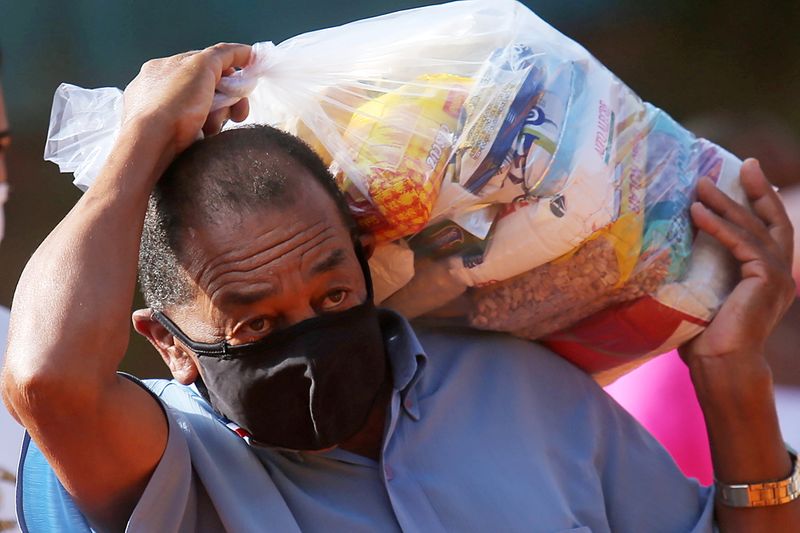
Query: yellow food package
402,141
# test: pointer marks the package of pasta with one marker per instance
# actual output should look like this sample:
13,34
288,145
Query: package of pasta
511,181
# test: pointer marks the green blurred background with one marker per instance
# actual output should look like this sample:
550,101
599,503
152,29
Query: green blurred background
687,57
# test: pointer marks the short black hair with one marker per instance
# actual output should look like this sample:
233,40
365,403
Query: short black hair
242,169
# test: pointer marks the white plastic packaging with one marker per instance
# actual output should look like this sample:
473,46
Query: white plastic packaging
496,162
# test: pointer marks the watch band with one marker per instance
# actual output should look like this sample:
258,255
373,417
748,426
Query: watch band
762,494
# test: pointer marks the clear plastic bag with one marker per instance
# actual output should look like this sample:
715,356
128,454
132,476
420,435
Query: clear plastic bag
538,194
83,127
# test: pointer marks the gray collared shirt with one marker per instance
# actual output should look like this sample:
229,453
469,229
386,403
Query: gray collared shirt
484,432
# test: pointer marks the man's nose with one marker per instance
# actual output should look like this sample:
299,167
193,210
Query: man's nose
3,172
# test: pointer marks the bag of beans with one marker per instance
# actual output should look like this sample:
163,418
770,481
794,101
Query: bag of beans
511,181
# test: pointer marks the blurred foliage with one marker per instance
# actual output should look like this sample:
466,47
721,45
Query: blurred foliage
684,56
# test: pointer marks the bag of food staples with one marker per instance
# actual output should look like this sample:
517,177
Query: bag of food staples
511,181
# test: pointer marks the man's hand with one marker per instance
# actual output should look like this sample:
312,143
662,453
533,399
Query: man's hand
727,364
173,96
762,241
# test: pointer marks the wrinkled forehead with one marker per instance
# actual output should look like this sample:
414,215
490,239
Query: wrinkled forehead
292,235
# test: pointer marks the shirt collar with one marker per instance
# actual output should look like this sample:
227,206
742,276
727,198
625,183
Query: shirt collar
406,357
404,350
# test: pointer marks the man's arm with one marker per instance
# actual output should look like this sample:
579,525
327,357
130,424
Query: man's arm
727,364
102,434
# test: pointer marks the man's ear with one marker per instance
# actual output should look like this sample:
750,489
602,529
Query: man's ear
179,360
367,241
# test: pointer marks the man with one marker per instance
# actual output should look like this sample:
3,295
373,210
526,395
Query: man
311,410
10,430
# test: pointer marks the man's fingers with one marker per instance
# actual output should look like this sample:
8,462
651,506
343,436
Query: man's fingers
766,202
768,206
216,120
768,222
755,261
229,55
742,245
747,222
240,110
730,209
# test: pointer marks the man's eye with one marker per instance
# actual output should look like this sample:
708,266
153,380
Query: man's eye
334,298
259,325
250,331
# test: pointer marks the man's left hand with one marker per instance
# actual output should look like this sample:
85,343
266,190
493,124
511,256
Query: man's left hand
761,239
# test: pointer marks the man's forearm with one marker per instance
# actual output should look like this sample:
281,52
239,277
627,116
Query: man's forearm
71,307
736,396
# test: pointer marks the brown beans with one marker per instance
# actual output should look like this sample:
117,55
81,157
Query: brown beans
559,294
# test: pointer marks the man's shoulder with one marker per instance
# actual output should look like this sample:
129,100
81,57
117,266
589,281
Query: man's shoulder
449,340
497,377
453,348
166,387
188,412
178,398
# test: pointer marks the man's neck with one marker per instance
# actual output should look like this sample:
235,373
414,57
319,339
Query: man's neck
369,440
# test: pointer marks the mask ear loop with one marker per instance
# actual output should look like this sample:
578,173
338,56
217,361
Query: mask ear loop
202,389
176,332
218,349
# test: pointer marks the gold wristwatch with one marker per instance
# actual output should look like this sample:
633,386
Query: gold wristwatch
762,494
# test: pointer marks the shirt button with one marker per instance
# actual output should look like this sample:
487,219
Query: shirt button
387,470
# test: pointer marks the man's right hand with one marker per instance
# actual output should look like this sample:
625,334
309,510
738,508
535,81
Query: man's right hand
171,97
102,434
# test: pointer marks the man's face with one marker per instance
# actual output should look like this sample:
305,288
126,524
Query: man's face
255,273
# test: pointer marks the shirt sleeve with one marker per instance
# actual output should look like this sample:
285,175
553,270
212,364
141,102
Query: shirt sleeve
601,469
168,504
643,487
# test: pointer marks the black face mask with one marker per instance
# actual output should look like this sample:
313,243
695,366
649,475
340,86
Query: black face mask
310,386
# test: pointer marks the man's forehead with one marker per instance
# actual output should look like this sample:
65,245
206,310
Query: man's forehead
242,295
264,247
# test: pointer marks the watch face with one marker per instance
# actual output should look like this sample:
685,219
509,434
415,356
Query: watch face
763,494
